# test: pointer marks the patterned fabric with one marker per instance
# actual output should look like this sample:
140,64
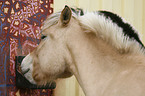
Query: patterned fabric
20,23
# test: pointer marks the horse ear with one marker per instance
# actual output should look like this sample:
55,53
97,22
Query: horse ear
65,15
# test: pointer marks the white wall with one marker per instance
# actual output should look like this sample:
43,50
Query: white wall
132,10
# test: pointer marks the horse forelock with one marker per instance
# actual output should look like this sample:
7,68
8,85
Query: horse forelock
51,20
124,39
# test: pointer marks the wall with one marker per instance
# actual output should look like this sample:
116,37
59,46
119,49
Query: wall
132,11
20,23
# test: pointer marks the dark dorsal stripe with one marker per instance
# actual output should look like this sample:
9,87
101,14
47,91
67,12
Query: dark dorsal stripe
127,29
78,11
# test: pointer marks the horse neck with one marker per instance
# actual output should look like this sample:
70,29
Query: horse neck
95,62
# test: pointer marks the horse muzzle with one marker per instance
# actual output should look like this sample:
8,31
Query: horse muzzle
27,68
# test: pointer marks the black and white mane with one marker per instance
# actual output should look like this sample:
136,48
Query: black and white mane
128,30
109,26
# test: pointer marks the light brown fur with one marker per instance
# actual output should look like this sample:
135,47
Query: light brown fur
99,67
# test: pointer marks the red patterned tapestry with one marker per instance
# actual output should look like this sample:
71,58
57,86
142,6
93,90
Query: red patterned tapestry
20,31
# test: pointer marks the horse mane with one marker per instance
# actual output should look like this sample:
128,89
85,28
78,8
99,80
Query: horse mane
106,25
128,30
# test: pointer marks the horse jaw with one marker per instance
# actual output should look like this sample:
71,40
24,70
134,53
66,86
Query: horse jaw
27,68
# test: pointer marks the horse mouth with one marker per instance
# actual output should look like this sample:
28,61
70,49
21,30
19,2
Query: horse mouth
24,72
19,68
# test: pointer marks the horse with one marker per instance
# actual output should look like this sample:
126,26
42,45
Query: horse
100,49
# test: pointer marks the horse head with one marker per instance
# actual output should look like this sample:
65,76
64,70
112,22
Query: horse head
49,60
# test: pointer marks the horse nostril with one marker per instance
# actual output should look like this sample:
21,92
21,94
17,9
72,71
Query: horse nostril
24,72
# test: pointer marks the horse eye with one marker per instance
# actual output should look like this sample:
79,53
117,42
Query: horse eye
43,37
